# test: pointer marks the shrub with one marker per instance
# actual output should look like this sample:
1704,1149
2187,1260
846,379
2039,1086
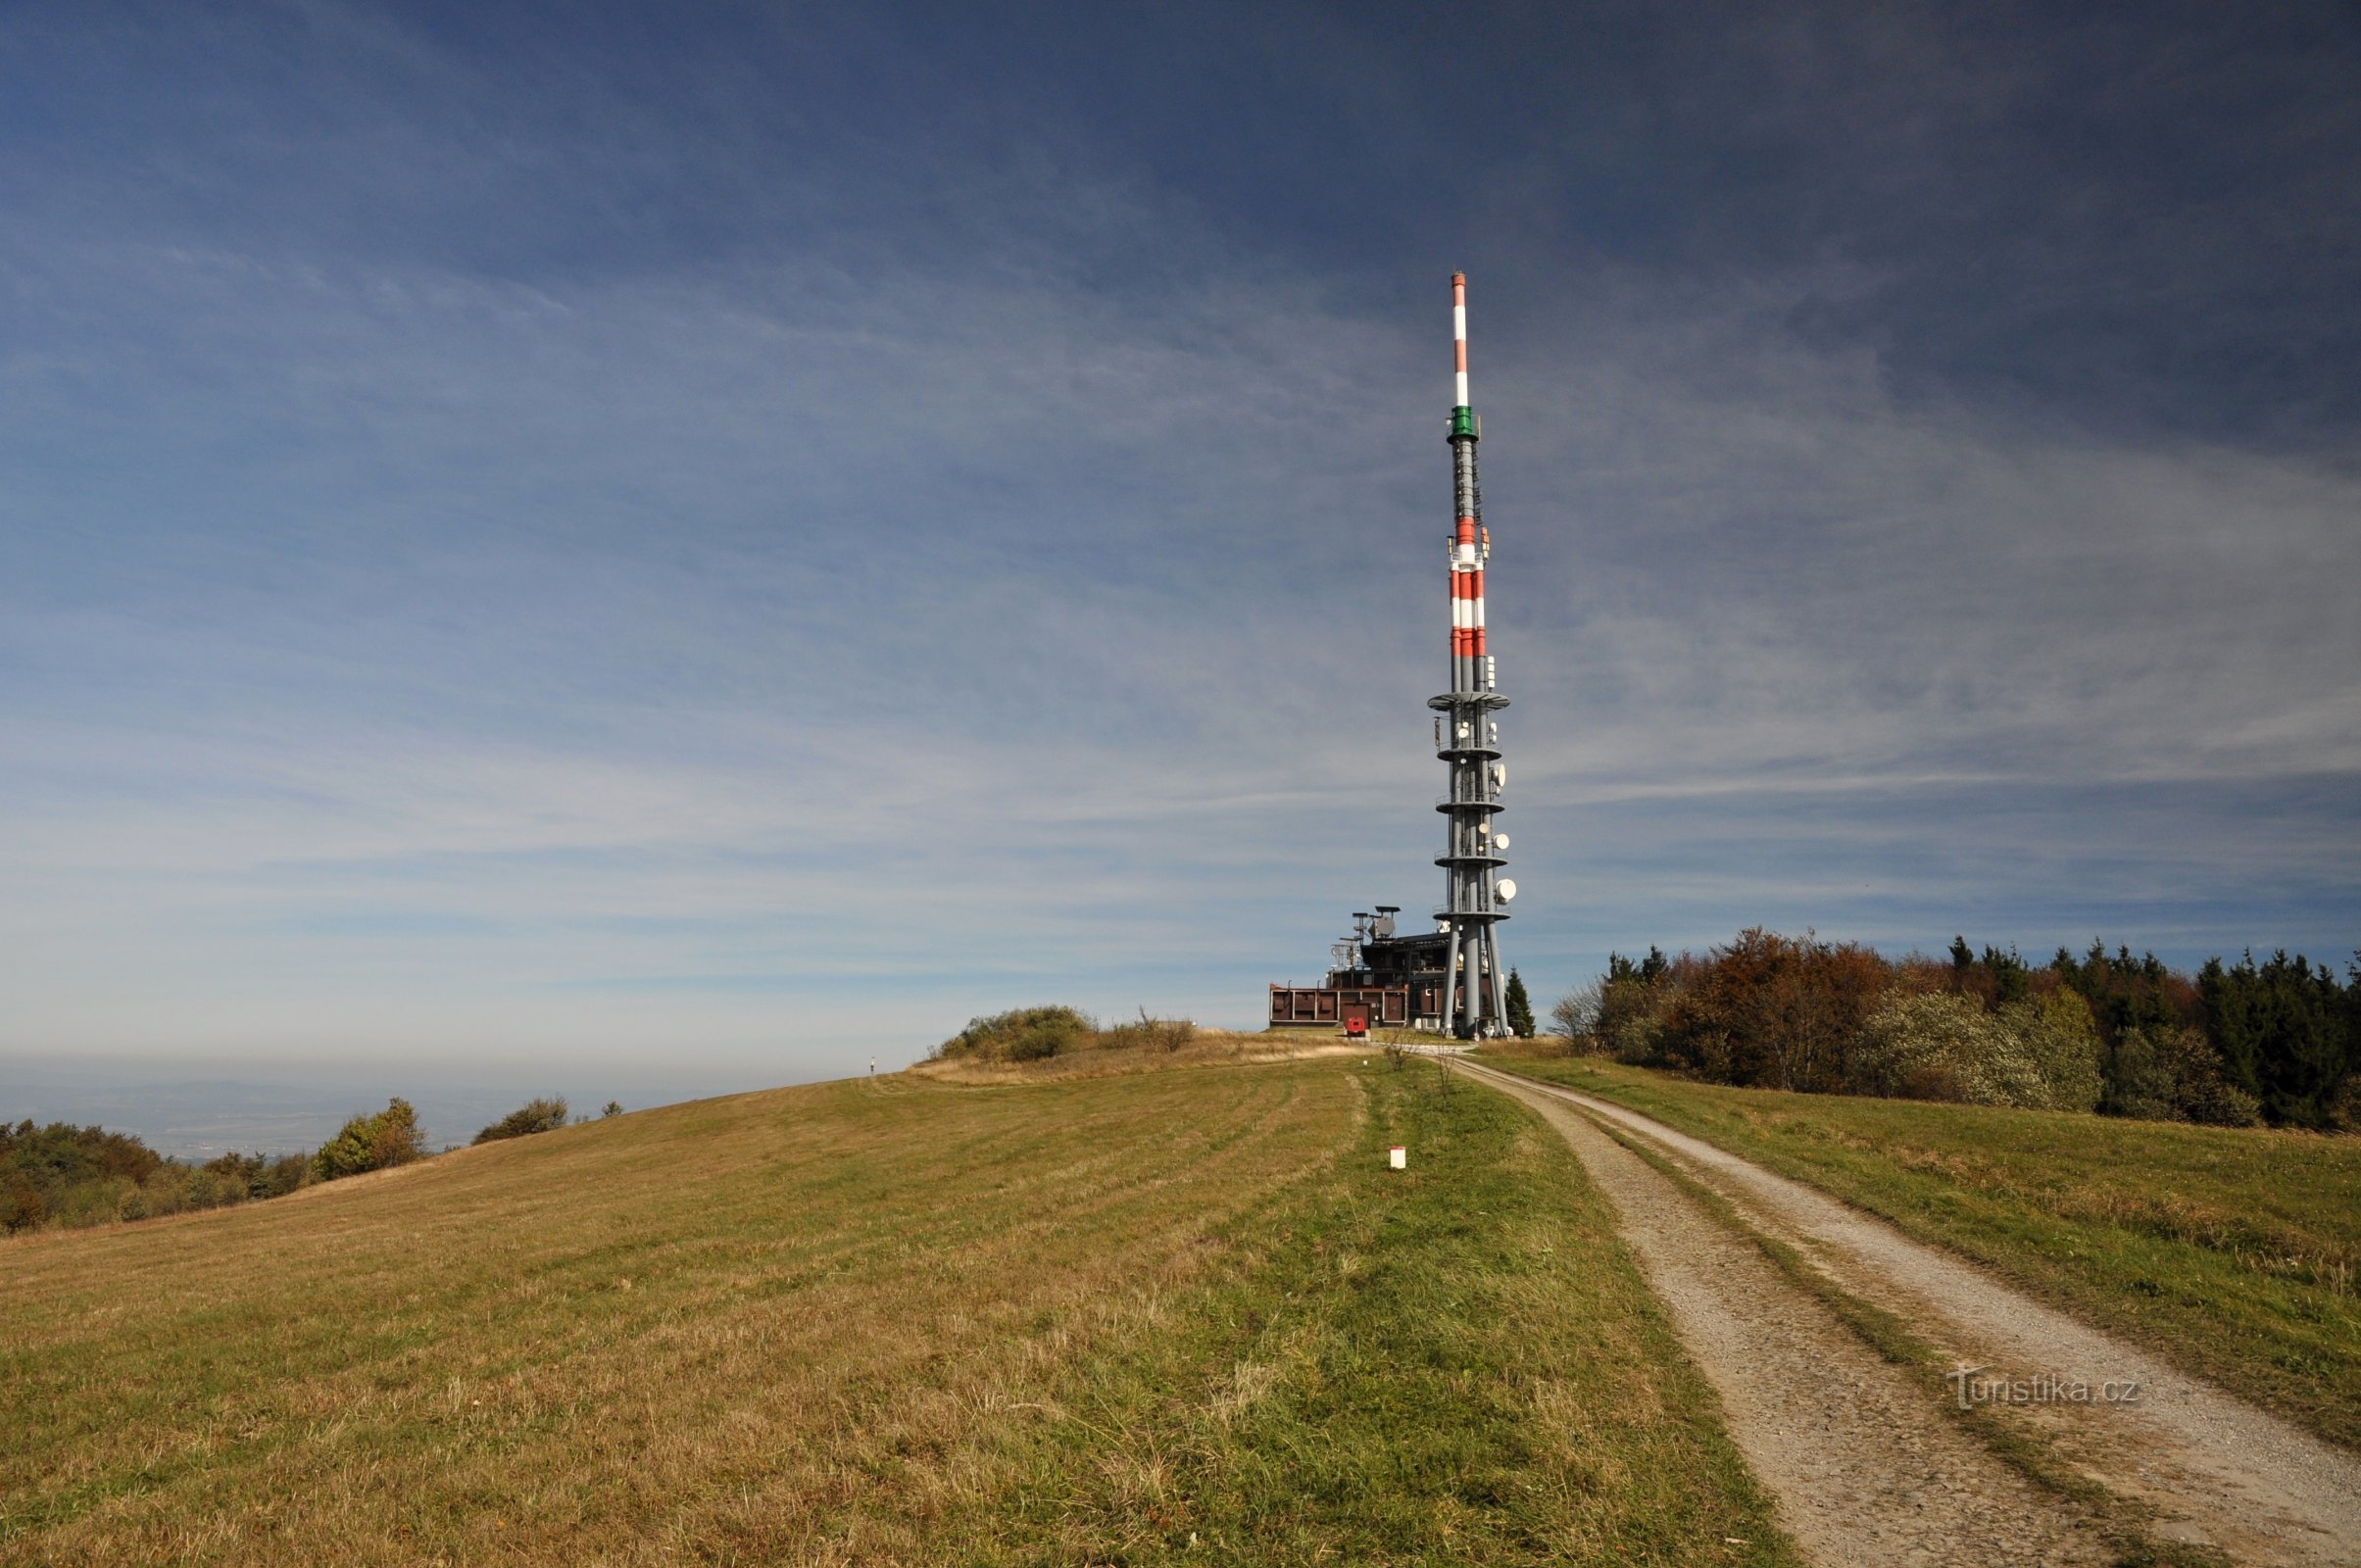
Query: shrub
1625,1021
20,1205
2039,1051
2140,1080
260,1175
392,1137
2203,1091
100,1201
1155,1034
61,1174
66,1176
1635,1038
1026,1034
533,1116
1933,1045
62,1154
2058,1039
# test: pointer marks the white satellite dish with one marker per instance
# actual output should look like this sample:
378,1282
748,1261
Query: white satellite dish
1499,775
1499,840
1507,890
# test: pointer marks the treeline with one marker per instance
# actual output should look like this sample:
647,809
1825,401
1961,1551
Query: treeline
2233,1044
66,1176
1035,1034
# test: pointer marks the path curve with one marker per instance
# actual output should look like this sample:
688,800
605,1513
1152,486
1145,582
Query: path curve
2216,1469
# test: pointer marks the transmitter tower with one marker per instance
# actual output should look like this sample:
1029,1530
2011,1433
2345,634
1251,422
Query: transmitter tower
1468,740
1450,979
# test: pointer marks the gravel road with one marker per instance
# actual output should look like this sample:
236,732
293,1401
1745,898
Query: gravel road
1867,1465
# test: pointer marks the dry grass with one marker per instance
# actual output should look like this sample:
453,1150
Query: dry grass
884,1322
1205,1047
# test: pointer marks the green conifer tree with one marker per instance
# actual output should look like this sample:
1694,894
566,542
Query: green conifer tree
1520,1007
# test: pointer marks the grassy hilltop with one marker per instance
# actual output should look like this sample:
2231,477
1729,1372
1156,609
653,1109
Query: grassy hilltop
1183,1315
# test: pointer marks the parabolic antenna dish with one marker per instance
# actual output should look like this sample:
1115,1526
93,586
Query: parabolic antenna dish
1507,889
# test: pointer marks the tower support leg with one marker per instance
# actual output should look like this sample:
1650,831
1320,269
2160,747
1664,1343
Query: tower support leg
1452,993
1499,992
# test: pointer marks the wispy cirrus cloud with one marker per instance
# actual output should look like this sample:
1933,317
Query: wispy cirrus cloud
470,584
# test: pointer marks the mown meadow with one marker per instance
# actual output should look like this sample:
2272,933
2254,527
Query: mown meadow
1175,1316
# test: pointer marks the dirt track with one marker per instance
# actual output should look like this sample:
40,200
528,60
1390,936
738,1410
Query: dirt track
1868,1466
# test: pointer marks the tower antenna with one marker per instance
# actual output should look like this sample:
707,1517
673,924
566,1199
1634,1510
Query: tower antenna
1475,899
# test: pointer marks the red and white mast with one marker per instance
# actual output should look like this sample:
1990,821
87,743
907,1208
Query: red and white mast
1468,738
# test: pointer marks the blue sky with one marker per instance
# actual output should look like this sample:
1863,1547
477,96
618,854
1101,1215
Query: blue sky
738,537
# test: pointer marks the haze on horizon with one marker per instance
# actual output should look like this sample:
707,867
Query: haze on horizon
730,538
